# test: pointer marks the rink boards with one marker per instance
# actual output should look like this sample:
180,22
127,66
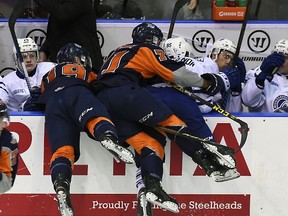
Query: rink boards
102,187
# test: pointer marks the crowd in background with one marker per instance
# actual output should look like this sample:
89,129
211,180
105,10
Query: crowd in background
154,9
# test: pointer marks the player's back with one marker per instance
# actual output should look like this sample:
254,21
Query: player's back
133,62
62,76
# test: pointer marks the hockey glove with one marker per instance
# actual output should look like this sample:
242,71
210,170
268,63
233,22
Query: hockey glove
216,83
31,103
236,76
275,60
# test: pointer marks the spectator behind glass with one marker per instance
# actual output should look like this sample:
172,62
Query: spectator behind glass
71,21
191,10
127,9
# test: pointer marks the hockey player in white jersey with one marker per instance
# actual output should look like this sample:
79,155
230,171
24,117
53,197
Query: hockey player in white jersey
16,94
218,61
266,87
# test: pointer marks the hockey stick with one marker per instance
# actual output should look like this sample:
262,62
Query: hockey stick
178,5
215,107
242,31
11,22
228,150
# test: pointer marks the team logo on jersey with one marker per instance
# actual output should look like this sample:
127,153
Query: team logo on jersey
200,40
280,102
38,35
258,41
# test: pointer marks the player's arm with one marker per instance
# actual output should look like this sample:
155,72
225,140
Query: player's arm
251,95
176,72
4,95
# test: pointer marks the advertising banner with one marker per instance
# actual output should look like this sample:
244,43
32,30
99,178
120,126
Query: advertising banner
101,187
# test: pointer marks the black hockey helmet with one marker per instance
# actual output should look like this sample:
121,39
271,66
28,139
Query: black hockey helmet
74,53
147,32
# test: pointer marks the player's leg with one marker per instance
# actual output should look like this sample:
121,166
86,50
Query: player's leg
209,161
64,144
188,111
95,120
144,208
151,154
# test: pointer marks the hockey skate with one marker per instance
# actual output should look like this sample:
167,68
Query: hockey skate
110,142
156,195
222,154
61,186
224,174
212,168
144,208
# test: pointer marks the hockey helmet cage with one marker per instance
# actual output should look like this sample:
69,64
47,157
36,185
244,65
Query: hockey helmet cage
177,48
281,47
222,44
72,53
147,32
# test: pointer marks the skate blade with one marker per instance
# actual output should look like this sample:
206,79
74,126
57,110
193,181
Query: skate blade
64,209
143,205
124,154
229,175
167,205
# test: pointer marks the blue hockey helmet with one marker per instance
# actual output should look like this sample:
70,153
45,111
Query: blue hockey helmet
74,53
147,32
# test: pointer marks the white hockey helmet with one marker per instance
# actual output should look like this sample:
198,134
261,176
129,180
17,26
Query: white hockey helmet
281,47
26,45
222,44
177,48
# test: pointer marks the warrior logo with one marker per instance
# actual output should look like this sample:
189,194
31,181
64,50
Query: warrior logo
38,35
101,38
280,103
201,39
258,41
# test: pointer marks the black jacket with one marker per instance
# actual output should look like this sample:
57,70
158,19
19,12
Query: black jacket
71,21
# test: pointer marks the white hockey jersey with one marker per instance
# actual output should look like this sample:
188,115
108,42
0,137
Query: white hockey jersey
16,91
207,65
273,97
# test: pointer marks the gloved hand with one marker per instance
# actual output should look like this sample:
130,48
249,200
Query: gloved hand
267,67
31,103
216,83
236,76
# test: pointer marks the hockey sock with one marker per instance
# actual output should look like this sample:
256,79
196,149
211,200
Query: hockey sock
139,181
104,127
151,164
61,165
